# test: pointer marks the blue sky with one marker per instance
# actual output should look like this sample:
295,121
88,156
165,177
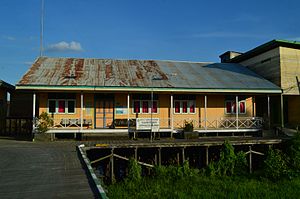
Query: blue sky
191,30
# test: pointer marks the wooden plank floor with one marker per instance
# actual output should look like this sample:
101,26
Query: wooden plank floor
203,141
42,170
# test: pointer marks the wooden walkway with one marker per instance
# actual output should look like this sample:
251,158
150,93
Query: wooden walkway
203,141
42,170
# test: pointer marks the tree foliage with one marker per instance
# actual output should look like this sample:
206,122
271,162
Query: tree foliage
44,122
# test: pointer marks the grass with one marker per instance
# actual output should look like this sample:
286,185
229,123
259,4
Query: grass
201,186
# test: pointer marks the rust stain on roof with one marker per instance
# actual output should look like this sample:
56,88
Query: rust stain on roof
141,73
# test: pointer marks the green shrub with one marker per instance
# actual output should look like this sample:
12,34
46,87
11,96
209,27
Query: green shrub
44,122
275,166
134,171
229,163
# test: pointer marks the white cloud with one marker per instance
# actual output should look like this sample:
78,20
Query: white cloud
10,38
65,46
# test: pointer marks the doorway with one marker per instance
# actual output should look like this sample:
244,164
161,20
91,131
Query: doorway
104,111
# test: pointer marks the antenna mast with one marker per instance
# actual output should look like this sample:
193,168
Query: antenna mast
42,28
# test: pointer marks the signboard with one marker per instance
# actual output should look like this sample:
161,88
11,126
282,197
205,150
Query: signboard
145,124
121,110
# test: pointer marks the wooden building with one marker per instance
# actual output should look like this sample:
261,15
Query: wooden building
279,62
93,95
5,89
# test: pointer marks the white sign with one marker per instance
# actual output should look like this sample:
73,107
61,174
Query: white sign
145,124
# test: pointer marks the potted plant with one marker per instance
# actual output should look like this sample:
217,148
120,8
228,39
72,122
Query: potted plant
188,130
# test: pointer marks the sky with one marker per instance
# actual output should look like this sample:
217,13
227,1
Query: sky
183,30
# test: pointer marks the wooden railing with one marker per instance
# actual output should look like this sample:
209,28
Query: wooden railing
210,123
12,126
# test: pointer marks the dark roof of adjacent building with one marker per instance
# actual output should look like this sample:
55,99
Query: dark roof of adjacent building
6,85
110,74
264,48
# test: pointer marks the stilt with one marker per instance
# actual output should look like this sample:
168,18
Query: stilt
136,153
183,155
206,161
112,175
155,158
250,159
178,159
159,156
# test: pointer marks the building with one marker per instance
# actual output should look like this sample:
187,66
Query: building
5,90
277,61
91,95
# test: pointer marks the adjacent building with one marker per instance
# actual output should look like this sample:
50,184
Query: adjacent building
279,62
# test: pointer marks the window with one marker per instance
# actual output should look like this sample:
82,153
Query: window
71,106
52,106
230,107
144,106
61,106
184,106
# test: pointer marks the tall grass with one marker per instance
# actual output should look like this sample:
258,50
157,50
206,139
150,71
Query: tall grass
226,178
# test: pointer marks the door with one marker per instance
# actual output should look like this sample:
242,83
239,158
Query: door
104,113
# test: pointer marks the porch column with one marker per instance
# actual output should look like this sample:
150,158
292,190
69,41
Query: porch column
81,111
205,112
128,111
237,111
282,111
33,113
253,107
171,115
269,113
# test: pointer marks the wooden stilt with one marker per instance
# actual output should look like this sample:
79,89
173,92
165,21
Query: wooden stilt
178,159
250,159
112,175
155,158
136,153
159,156
183,155
206,161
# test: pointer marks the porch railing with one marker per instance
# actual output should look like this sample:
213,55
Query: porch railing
210,123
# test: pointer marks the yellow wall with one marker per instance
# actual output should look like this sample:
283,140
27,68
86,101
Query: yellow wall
88,111
294,110
215,109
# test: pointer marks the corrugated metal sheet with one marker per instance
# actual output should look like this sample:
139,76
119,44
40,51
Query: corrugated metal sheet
139,73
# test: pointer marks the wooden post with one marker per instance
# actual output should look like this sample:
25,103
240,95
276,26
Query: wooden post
136,153
250,159
237,111
172,117
81,112
205,112
159,156
183,155
112,175
33,113
269,113
253,107
178,158
282,111
128,112
207,158
155,158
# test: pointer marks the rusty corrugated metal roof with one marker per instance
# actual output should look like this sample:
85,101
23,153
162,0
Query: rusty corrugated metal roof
139,73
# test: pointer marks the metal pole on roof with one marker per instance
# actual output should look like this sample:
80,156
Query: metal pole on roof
42,27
